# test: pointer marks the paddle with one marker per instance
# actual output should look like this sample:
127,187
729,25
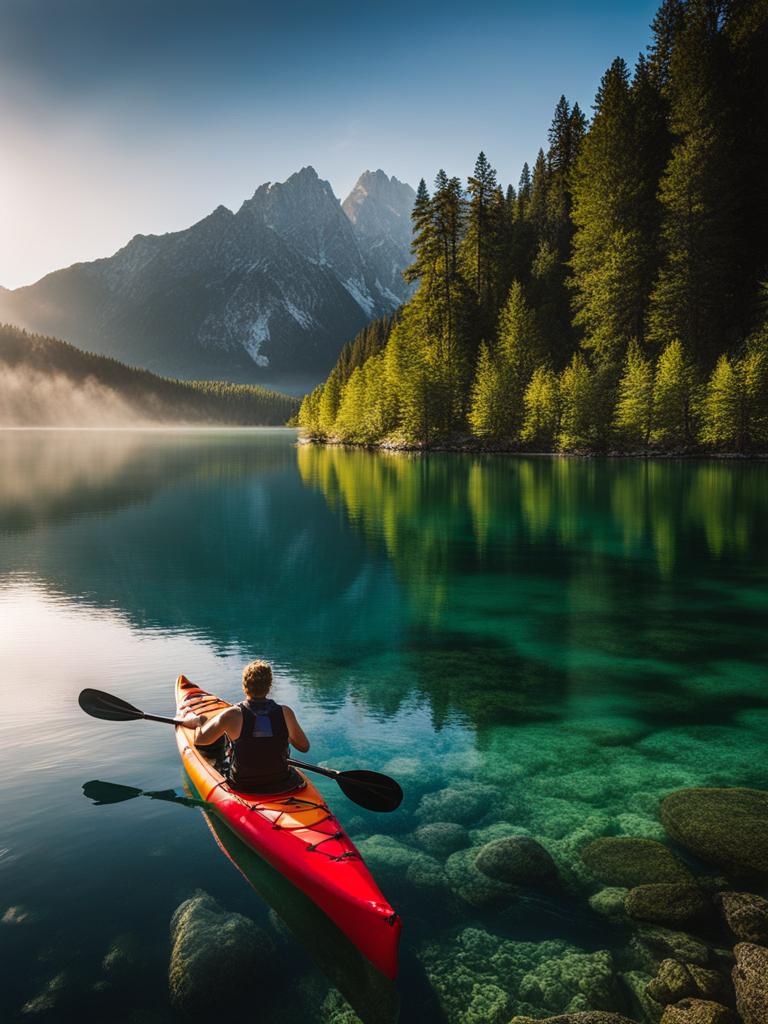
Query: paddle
371,790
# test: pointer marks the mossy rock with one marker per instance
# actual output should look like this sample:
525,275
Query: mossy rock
583,1017
667,942
675,981
516,859
466,804
750,979
698,1011
674,905
441,838
626,861
725,827
609,901
474,887
746,915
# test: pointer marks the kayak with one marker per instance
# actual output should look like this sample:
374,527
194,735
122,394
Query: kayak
298,835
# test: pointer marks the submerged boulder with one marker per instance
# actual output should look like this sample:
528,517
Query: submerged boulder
465,804
672,904
441,838
622,860
574,981
474,886
609,901
675,981
210,942
666,942
746,915
725,827
583,1017
698,1011
750,979
516,859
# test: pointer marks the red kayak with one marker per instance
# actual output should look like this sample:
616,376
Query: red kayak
298,835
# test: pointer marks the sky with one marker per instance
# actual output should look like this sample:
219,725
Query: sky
120,117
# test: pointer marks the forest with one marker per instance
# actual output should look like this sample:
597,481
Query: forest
616,299
48,382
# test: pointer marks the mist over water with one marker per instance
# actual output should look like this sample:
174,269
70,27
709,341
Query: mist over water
531,646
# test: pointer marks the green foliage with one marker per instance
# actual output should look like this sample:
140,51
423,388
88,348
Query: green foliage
675,398
541,425
634,409
486,413
735,405
577,397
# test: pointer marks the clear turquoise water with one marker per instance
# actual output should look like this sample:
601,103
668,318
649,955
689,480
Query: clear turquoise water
556,642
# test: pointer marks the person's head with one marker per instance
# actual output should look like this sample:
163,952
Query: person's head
257,679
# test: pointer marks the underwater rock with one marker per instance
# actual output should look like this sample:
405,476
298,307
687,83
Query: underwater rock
671,904
466,804
472,885
639,826
648,1009
750,979
427,874
725,827
49,997
675,981
621,860
609,901
673,944
122,957
391,860
698,1011
516,859
572,982
584,1017
745,914
441,838
208,941
496,830
18,915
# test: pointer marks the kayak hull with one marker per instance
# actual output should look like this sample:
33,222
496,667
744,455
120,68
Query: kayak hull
298,835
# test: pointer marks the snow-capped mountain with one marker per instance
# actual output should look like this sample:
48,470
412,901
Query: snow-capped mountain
272,291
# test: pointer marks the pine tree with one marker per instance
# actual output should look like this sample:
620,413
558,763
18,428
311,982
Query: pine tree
423,247
634,409
694,295
481,238
329,403
308,415
523,192
665,26
609,246
541,425
675,398
486,413
577,400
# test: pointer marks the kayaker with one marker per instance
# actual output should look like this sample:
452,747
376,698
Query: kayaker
259,730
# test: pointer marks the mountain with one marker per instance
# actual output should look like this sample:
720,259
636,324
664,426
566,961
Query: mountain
271,292
379,209
48,382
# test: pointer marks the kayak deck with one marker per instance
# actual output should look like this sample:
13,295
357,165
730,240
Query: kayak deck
299,836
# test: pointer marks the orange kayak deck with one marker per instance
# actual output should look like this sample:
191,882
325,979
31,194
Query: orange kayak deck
298,835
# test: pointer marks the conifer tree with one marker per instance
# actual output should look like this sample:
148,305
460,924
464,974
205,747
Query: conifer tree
666,25
481,238
523,192
634,409
693,298
675,398
577,401
329,403
541,424
423,246
486,413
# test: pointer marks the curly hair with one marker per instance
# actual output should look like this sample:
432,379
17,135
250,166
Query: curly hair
257,678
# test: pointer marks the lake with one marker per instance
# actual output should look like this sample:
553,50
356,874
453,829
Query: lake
532,646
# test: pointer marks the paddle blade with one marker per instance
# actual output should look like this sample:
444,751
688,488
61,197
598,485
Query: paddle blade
109,792
105,705
372,790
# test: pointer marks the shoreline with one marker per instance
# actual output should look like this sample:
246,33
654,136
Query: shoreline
467,446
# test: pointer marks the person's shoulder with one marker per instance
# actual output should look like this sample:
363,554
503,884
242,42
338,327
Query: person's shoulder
287,710
232,712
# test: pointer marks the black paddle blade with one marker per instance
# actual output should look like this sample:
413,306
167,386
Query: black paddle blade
109,792
107,706
371,789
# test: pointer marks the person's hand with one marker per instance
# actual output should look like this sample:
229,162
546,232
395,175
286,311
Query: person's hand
192,721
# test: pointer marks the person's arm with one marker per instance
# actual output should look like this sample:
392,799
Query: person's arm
208,730
295,732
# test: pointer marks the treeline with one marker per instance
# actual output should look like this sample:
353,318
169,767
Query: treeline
615,298
48,381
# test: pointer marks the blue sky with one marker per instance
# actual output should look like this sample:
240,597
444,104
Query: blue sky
126,117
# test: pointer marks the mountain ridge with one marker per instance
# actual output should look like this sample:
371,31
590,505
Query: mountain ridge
271,291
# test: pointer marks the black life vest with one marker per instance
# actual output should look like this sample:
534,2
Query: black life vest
260,753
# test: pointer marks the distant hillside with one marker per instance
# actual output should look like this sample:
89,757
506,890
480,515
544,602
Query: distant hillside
266,294
48,382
